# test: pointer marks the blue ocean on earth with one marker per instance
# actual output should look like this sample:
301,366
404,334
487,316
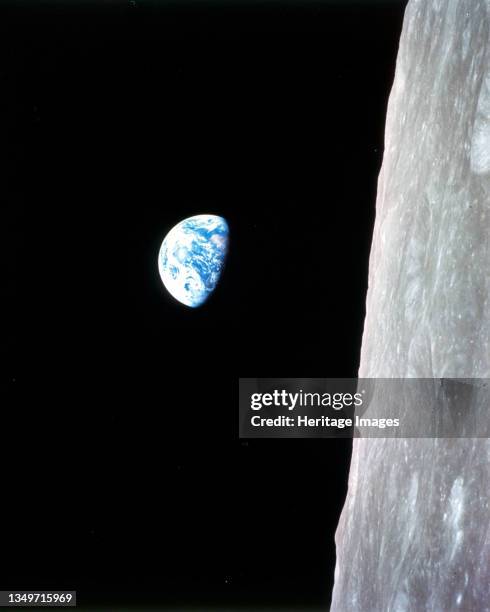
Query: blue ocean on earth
192,257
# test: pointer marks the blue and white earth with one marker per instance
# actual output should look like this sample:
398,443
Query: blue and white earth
192,256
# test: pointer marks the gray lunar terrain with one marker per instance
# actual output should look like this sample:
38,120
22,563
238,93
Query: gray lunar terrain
414,534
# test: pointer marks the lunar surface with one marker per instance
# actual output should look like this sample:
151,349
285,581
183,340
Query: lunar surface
192,256
414,534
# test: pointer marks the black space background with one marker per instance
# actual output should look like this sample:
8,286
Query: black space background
122,473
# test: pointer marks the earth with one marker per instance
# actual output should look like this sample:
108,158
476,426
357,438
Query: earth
192,256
